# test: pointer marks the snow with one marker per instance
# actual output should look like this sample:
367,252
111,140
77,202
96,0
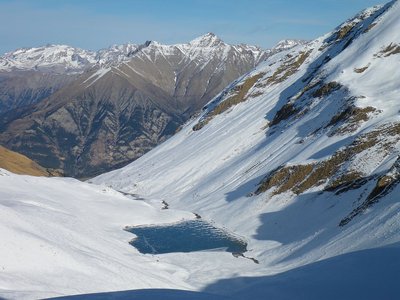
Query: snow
70,60
288,44
64,237
214,170
116,54
96,76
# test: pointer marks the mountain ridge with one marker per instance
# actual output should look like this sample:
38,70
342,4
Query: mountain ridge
299,157
113,113
78,60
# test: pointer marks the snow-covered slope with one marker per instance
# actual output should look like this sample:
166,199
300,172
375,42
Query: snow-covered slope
300,156
62,237
136,96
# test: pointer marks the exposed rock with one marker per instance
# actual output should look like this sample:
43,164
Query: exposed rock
284,113
384,185
287,69
350,118
332,173
361,70
239,95
126,105
327,89
391,49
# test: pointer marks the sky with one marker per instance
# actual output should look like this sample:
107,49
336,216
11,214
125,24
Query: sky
96,24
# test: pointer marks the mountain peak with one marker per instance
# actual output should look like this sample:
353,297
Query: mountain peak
209,35
207,40
59,58
288,44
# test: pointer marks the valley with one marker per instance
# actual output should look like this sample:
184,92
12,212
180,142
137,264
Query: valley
84,113
269,175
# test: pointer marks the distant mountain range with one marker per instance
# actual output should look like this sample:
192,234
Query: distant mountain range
298,158
63,59
86,112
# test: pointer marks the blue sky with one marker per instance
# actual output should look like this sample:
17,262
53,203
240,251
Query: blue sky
95,24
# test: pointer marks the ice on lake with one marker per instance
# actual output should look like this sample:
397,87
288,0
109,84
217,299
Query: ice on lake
185,236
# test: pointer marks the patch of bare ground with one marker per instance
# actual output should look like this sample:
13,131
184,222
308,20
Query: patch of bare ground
327,89
288,68
290,109
239,95
372,25
361,70
389,50
299,178
350,118
384,185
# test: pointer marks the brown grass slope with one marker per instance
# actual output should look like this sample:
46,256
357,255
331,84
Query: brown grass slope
20,164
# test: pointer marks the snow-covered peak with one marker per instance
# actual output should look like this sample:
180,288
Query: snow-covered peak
209,45
207,40
288,44
59,58
116,53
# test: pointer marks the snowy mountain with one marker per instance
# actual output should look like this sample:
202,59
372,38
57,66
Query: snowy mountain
298,157
117,54
56,58
66,59
131,100
302,157
62,236
63,59
288,44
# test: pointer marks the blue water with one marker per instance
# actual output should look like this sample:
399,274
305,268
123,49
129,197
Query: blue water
186,236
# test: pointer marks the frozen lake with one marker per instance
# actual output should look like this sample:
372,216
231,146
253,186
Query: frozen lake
186,236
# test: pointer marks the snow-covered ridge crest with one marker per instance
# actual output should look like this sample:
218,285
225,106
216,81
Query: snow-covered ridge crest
288,44
63,58
49,56
209,45
67,59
